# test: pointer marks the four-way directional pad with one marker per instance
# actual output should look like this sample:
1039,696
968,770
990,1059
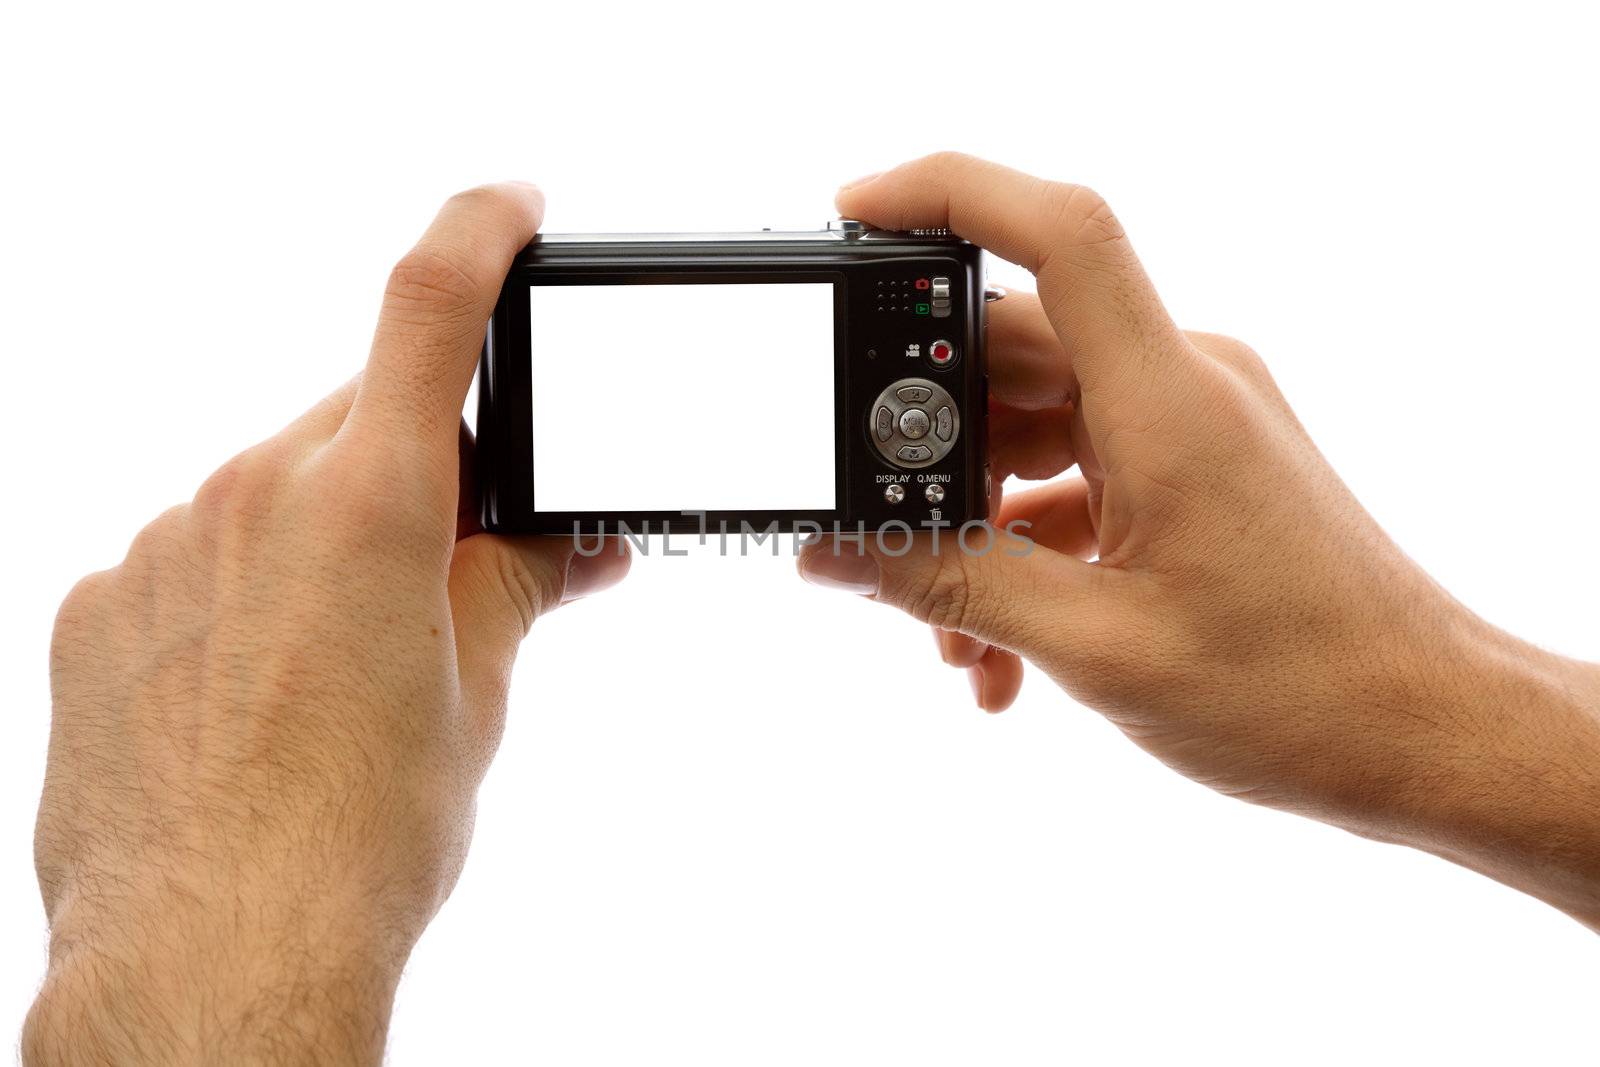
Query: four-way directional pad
914,423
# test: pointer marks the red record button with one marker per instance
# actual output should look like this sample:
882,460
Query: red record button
941,352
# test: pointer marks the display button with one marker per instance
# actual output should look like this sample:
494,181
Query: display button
894,494
914,423
884,424
943,424
914,453
914,394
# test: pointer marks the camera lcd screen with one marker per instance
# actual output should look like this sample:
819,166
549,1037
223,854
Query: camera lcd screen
687,396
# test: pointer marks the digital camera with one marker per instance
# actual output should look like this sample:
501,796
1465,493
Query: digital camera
784,381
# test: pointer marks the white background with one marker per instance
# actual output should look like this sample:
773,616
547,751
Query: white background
740,820
702,397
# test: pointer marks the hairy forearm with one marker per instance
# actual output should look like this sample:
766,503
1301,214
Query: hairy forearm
169,994
1516,790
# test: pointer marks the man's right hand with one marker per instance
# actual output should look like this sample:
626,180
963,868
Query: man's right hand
1246,620
270,721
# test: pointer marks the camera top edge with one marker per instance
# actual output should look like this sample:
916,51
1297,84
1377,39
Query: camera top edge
841,237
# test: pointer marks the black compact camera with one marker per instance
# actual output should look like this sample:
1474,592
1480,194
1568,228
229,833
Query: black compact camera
788,381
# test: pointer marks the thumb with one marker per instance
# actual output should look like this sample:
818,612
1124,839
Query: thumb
995,585
500,585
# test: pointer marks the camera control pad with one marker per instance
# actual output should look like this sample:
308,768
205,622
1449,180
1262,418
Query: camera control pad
914,423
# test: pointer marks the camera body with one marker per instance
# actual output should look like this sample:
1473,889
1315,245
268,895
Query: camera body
788,381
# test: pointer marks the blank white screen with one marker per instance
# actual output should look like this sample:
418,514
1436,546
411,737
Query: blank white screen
683,397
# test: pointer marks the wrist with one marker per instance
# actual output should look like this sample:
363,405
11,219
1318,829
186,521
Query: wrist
246,985
1512,788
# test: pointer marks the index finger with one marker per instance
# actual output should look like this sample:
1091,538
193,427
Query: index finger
1091,284
436,308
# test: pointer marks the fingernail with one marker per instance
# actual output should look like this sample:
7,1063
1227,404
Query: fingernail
840,566
587,574
975,676
864,179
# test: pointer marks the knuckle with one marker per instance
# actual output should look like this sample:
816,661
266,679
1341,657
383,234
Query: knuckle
1245,360
1235,396
85,592
1079,216
1228,350
239,491
84,603
1236,348
481,199
161,539
476,196
352,487
948,161
533,589
431,279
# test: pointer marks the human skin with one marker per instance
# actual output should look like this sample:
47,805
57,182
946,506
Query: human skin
270,721
1207,582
